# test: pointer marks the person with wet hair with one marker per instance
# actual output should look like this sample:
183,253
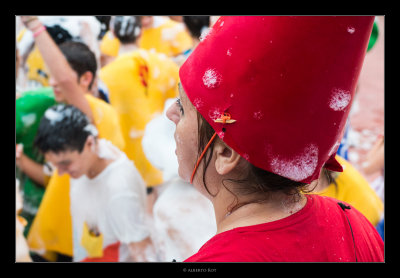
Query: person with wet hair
126,28
262,106
73,68
159,33
122,37
104,25
61,29
197,26
108,197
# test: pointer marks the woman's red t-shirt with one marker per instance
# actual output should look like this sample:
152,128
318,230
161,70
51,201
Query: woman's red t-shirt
320,232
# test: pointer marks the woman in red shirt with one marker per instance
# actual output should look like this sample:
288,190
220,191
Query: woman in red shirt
262,107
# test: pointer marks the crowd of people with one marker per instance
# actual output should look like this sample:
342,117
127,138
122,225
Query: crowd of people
107,143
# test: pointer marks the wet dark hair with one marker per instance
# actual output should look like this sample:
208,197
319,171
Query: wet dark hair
255,181
195,24
80,58
63,127
330,176
58,34
125,28
104,25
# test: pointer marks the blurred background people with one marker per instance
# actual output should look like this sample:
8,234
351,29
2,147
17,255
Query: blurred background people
139,82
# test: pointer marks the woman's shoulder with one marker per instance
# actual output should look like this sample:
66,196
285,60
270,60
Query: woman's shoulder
224,247
275,241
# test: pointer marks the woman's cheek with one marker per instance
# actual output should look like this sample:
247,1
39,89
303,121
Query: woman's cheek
182,161
186,152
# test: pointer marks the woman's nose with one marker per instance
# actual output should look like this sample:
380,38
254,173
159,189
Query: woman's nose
172,113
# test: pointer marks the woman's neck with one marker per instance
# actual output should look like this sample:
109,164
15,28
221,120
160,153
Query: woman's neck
253,213
319,185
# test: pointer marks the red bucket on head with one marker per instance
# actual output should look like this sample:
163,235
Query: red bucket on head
287,81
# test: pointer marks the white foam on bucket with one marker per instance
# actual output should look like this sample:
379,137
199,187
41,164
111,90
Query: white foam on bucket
339,100
299,167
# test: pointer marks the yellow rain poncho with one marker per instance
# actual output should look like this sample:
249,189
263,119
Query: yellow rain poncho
139,84
37,70
169,38
354,189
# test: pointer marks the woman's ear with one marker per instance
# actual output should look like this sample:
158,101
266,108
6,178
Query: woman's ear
226,158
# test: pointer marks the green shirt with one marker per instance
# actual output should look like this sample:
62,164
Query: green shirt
29,109
374,36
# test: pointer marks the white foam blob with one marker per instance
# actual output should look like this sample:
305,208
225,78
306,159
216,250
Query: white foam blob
339,99
215,113
299,167
198,103
205,32
211,78
53,116
91,129
107,150
28,119
351,30
258,115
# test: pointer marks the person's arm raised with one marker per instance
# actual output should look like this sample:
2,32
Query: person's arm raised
58,66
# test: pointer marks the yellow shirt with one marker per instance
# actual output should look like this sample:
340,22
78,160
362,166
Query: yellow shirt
354,189
170,38
139,83
36,67
51,229
109,44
